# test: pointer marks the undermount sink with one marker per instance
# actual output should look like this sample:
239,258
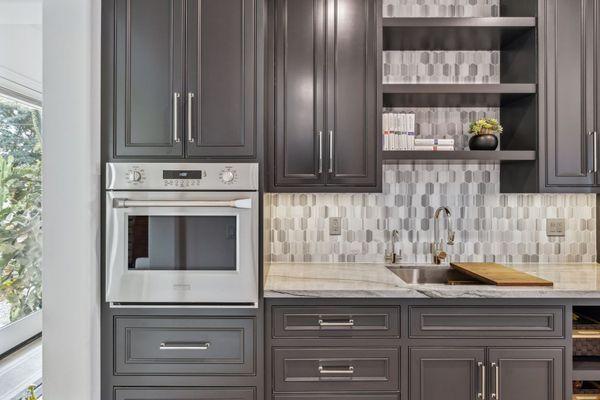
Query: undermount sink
430,274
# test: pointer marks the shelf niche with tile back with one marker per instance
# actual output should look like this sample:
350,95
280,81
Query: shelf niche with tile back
512,33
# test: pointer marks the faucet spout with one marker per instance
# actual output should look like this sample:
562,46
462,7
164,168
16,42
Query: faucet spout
437,247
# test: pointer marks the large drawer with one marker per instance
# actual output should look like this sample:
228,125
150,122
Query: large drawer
184,346
153,393
335,322
330,396
486,322
335,369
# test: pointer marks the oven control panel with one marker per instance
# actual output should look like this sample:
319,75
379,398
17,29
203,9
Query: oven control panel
181,176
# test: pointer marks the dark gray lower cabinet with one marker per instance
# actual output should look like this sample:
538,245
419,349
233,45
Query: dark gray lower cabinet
526,374
335,369
335,349
184,346
448,373
152,393
316,396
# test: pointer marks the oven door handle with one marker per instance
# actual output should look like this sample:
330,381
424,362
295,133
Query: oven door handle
239,203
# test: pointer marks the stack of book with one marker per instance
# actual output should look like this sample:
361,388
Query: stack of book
398,131
434,144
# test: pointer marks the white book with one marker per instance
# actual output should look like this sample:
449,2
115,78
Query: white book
434,148
385,121
432,142
402,131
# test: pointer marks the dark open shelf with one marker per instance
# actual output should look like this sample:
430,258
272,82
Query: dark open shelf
392,157
454,33
454,95
586,370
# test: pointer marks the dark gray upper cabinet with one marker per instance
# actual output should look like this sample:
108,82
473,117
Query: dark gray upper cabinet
352,92
531,374
567,73
450,373
148,78
299,40
220,78
326,96
183,81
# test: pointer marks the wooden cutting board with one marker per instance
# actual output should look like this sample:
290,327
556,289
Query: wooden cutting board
498,274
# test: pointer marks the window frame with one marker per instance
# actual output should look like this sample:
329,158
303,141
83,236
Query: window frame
17,333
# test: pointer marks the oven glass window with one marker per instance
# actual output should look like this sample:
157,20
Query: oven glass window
182,243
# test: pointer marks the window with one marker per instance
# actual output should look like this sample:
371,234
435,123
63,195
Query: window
20,222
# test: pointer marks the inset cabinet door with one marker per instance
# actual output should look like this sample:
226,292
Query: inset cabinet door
148,78
352,92
526,374
446,373
299,56
220,98
568,69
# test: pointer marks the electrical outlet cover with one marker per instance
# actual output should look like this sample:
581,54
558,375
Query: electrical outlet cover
335,226
555,227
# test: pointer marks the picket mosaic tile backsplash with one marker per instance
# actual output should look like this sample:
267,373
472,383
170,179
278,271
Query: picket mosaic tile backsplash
489,226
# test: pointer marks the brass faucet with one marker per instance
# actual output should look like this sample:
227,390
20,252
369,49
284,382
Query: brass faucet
437,247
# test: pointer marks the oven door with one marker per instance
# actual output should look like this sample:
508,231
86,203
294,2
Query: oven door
196,248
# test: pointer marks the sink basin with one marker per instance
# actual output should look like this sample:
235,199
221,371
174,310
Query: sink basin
430,274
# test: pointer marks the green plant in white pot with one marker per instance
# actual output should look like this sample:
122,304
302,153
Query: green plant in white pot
485,134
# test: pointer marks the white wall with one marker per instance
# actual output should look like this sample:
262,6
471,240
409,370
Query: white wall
71,140
21,47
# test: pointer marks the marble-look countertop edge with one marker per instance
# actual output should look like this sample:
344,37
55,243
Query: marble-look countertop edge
373,280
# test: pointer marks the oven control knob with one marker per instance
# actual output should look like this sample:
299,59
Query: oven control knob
227,176
134,176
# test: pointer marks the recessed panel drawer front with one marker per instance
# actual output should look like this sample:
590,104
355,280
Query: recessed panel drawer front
506,321
329,396
336,322
335,369
150,393
184,346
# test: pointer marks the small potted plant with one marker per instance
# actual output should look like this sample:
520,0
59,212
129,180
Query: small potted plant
485,133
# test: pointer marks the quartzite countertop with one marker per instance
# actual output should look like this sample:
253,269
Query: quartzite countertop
360,280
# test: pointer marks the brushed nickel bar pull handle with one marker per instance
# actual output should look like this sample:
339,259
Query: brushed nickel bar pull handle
348,370
184,346
320,135
175,117
331,152
595,151
496,394
323,323
586,397
594,136
239,203
190,101
481,395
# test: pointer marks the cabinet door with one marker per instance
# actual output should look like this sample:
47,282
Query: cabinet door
299,137
526,374
352,92
446,373
148,78
568,67
220,117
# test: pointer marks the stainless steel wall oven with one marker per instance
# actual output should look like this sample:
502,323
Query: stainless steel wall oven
182,234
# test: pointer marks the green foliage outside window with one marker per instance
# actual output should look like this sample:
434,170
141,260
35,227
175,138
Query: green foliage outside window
20,208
